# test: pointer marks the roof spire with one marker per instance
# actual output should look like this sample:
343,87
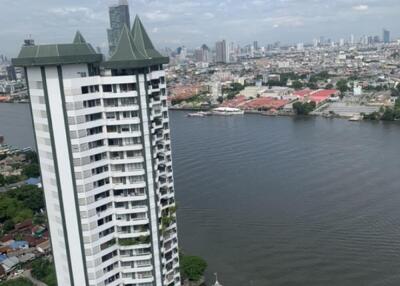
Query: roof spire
79,39
135,49
216,280
142,39
126,49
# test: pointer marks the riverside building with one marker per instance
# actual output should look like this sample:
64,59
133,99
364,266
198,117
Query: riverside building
103,139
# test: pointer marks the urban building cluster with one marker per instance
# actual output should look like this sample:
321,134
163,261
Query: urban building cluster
343,78
12,84
23,231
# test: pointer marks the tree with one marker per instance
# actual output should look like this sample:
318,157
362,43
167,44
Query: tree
8,225
32,157
220,99
341,85
329,86
312,85
31,196
193,267
43,270
388,115
297,84
31,171
303,108
2,180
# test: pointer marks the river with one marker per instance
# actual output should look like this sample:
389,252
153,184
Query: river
280,200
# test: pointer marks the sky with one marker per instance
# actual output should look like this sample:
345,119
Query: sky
172,23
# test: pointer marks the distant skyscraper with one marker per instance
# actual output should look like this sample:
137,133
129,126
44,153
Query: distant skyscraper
201,54
119,16
352,39
255,45
221,52
11,74
386,36
300,46
205,53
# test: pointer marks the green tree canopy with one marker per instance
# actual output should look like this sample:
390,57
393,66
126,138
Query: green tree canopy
193,267
43,270
341,85
303,108
31,171
297,84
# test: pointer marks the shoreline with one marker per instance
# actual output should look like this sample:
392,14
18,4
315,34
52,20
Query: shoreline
263,113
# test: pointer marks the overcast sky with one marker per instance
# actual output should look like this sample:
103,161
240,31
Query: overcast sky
183,22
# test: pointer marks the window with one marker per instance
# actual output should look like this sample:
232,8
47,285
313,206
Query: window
107,88
93,117
85,89
94,130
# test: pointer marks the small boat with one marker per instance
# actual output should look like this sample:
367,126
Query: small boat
356,118
198,114
227,111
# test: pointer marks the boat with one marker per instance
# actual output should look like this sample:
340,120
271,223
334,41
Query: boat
227,111
356,117
198,114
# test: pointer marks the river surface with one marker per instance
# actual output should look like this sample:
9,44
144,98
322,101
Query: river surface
280,200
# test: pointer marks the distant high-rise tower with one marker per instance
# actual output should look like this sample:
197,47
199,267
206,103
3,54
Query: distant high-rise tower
386,36
352,39
221,51
255,45
205,53
119,16
104,145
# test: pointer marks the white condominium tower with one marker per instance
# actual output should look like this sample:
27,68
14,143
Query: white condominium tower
103,139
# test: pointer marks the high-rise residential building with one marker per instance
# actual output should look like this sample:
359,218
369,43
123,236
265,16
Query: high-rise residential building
255,45
205,50
11,74
119,16
221,52
386,36
103,139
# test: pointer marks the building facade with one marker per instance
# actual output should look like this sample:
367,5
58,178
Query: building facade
386,36
103,139
221,52
119,17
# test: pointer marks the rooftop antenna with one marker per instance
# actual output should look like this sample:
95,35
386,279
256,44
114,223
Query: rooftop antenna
216,280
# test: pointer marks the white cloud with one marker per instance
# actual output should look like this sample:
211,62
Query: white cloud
285,21
209,15
361,8
157,16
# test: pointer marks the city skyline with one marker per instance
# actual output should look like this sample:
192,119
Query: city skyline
176,23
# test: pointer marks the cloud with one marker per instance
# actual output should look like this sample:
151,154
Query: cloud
361,8
157,16
192,22
209,15
285,21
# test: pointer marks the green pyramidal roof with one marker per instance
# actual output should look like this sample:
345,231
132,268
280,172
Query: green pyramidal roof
57,54
79,39
135,49
142,39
